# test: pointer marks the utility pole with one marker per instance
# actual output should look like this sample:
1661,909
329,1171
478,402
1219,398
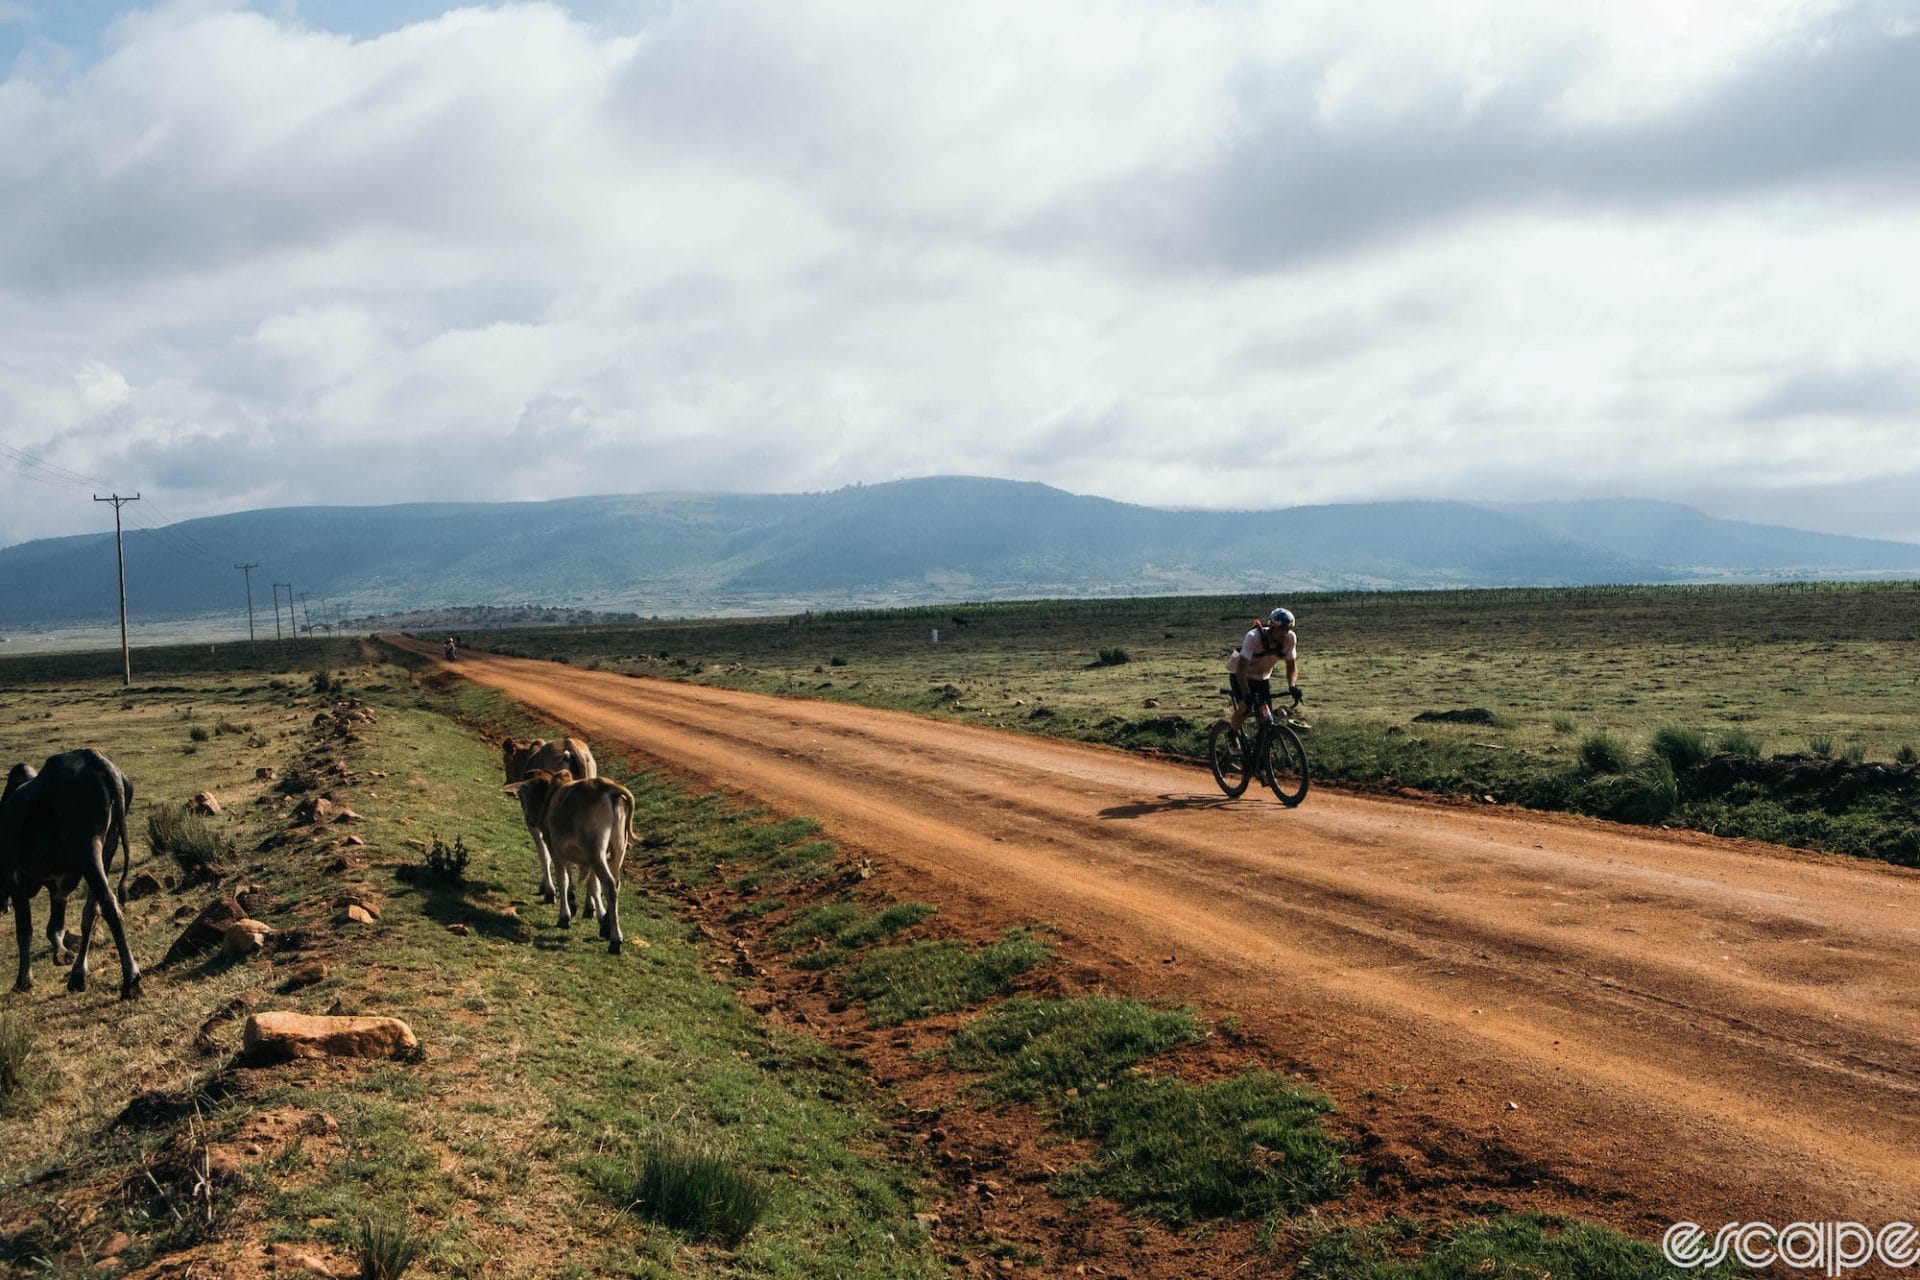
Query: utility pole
276,607
303,610
248,569
120,554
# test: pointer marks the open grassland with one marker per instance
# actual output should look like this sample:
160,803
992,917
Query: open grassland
673,1110
1808,694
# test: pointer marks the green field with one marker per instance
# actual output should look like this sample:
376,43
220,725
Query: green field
1807,694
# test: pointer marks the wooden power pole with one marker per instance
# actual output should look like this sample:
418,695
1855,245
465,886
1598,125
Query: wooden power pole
120,554
248,569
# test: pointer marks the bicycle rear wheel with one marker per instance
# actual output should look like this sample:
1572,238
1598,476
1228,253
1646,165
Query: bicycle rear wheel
1286,766
1227,753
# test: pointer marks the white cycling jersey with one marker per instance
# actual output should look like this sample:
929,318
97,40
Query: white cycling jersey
1254,661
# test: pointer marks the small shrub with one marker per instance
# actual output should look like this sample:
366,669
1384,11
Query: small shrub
1602,753
1680,748
836,661
1738,742
1562,722
189,839
228,726
690,1189
325,682
1821,745
1906,754
199,733
448,865
1113,657
387,1249
1854,752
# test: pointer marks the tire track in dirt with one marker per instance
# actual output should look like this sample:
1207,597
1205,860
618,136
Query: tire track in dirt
1691,1028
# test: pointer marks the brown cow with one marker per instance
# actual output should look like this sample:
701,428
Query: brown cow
519,759
586,825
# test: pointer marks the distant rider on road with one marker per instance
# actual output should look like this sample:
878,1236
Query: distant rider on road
1250,669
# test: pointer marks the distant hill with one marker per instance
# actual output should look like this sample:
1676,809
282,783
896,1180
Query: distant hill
944,538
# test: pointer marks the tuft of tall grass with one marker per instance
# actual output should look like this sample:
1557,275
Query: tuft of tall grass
1821,744
1680,747
690,1188
189,839
387,1248
17,1048
1602,753
1562,722
1738,742
1906,754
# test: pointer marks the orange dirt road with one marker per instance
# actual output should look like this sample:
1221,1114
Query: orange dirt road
1646,1026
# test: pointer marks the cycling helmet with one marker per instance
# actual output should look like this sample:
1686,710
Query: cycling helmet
1281,618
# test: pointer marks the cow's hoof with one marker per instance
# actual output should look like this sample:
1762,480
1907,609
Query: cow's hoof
76,982
613,947
130,990
546,895
22,986
62,956
563,924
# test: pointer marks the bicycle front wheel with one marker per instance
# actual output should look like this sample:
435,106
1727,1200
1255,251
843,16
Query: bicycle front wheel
1227,753
1286,766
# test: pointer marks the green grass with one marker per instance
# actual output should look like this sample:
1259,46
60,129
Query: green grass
845,928
387,1248
1510,1247
21,1064
1042,1048
1249,1147
927,978
194,844
691,1189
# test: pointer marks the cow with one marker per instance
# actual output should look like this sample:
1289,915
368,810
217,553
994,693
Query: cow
58,827
586,825
553,755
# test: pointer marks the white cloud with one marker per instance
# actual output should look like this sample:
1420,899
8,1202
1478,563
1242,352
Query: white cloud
1220,255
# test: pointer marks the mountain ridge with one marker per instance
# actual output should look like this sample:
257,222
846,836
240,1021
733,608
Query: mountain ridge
909,541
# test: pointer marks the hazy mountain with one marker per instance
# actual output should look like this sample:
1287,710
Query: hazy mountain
945,538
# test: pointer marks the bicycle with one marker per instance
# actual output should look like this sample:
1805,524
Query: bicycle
1276,755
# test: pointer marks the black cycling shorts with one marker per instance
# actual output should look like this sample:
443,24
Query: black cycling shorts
1252,692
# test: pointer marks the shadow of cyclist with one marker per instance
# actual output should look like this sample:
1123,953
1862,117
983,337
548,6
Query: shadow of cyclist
1165,803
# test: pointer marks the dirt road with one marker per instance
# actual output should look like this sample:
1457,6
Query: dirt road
1653,1026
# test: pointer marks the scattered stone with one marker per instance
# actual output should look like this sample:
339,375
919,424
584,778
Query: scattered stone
208,930
342,865
366,897
255,899
346,815
118,1242
318,809
353,842
1395,730
144,885
246,937
353,914
265,773
282,1037
1151,702
415,842
204,804
312,973
457,929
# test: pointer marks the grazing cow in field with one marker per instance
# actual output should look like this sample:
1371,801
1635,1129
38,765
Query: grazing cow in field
551,755
57,828
586,824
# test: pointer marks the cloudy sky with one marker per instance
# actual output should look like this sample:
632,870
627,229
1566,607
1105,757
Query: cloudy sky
1225,254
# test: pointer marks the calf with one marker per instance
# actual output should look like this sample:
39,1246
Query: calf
552,755
57,828
586,825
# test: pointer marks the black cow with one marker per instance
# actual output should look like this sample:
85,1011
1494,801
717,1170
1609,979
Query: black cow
57,828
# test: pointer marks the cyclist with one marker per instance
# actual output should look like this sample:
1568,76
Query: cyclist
1250,669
